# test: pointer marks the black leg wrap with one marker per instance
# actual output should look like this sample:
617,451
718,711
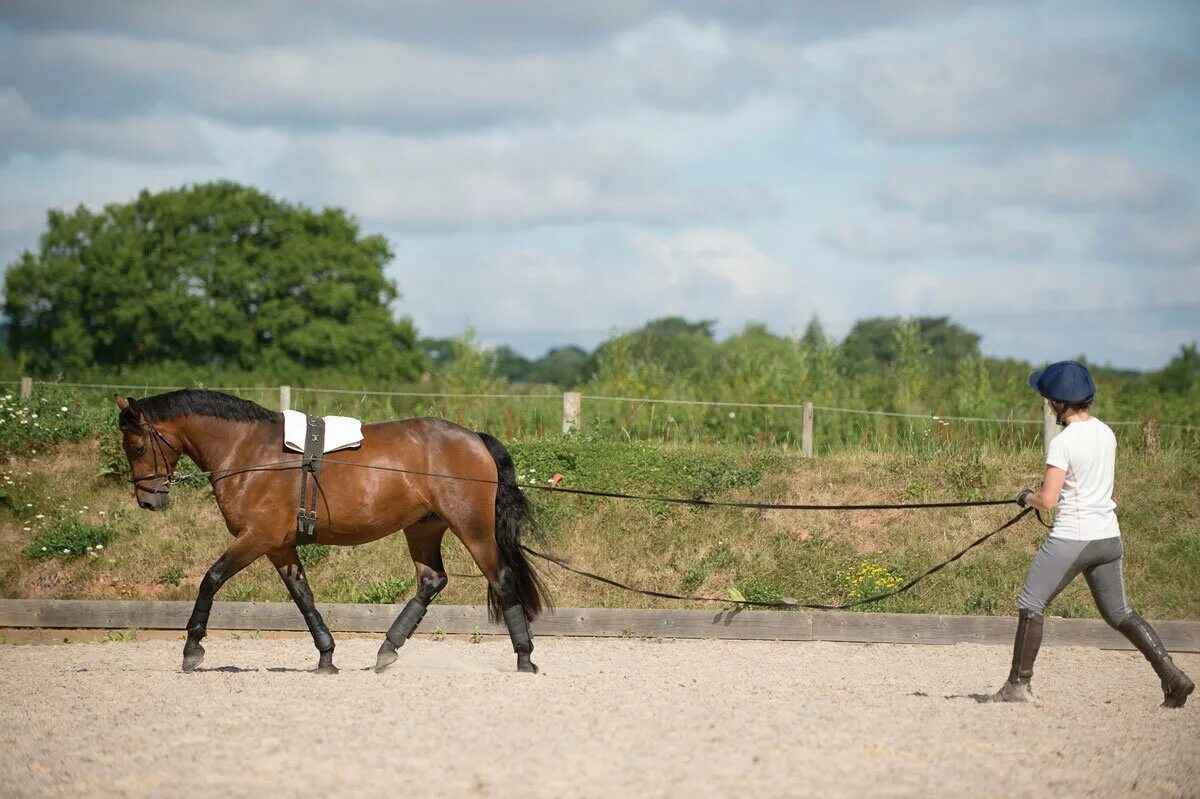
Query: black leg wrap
518,629
404,625
320,633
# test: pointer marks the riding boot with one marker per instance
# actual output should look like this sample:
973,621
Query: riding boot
1175,684
1025,650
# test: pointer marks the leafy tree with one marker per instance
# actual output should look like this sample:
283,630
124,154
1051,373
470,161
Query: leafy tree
217,275
510,364
814,336
673,344
562,366
876,341
1182,373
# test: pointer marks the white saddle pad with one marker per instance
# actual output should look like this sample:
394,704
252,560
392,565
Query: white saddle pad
341,432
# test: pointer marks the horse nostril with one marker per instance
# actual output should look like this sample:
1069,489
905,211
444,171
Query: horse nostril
145,505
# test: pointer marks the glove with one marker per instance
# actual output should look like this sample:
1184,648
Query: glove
1021,497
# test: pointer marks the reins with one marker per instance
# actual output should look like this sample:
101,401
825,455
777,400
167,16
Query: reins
296,463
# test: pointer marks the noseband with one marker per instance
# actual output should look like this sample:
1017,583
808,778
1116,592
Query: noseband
157,442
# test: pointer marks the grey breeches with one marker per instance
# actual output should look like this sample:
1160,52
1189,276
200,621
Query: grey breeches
1058,562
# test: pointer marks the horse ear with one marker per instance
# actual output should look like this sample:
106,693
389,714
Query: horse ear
128,404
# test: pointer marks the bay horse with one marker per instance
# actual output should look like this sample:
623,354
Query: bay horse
387,484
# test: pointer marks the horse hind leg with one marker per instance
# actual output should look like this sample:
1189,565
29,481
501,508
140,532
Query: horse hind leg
503,597
425,546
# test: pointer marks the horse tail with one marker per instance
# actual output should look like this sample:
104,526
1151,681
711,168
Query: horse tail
513,515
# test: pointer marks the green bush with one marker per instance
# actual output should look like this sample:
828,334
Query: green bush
384,592
70,537
312,554
40,421
171,576
759,589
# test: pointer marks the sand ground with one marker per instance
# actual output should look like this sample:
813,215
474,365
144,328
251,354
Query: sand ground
605,718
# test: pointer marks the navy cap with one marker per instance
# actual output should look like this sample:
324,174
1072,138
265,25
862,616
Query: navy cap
1065,381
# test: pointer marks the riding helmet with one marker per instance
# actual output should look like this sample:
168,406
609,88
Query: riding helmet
1064,381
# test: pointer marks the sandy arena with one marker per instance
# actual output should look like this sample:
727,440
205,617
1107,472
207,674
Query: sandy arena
605,718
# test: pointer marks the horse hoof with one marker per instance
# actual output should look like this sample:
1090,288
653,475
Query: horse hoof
192,660
385,658
328,668
527,667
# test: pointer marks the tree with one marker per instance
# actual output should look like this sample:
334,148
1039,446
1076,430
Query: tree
216,275
510,364
563,366
673,344
1182,373
874,342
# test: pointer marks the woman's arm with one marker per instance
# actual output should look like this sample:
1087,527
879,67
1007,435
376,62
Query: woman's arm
1052,484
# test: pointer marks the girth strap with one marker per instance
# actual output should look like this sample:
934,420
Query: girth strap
314,447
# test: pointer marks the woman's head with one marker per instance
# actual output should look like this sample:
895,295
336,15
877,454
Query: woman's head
1067,385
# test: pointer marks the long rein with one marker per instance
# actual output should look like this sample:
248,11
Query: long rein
171,478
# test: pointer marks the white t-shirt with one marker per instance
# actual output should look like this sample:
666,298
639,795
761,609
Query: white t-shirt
1087,452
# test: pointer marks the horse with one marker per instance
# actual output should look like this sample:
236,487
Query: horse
422,476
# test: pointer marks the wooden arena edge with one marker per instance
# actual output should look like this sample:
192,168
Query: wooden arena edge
901,628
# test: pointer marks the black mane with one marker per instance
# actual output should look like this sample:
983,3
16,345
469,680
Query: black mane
197,402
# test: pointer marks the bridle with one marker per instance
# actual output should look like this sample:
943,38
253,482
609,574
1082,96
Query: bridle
157,442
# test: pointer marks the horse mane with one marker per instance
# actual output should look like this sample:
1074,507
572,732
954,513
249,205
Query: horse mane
197,402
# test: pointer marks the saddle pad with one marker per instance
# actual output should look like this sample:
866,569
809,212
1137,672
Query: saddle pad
341,432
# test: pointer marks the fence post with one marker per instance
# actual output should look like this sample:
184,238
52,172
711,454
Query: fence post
26,387
572,401
1050,426
285,398
806,438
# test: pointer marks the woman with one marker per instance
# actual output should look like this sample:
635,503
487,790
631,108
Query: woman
1086,537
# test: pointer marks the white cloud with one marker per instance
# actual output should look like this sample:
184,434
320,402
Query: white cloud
500,180
668,62
721,253
993,87
1056,179
152,136
1173,239
904,237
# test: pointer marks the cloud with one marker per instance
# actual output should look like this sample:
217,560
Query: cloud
581,285
498,181
994,87
1169,240
905,237
724,254
479,25
154,136
667,63
1081,180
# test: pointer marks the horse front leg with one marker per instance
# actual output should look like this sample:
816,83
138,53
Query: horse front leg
245,549
291,571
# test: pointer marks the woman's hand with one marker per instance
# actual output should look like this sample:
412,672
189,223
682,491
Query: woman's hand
1047,498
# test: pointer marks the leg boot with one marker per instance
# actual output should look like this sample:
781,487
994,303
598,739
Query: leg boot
1175,684
1025,651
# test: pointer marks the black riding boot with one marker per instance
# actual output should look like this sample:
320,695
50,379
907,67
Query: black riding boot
1175,684
1025,651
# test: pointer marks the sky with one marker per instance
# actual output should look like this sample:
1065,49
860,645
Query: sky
548,173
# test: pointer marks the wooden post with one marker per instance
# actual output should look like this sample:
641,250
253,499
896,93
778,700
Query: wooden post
1050,426
26,387
572,402
806,437
285,398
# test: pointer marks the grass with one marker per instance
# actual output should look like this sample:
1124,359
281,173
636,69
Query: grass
762,554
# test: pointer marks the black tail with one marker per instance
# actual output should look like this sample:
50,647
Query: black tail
512,517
